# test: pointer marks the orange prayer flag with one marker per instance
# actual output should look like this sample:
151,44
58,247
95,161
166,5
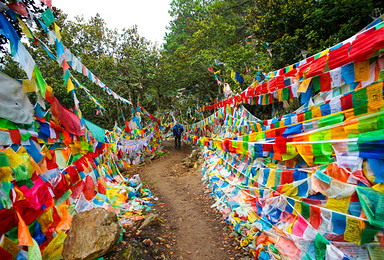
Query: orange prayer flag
24,236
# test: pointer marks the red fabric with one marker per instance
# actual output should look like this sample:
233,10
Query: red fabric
264,87
67,118
56,220
280,82
89,188
38,195
15,136
300,117
65,66
365,45
317,66
61,187
302,68
286,177
80,164
101,186
291,73
8,220
73,174
272,84
280,145
28,213
314,216
77,189
18,7
267,147
51,164
325,82
258,89
338,57
5,255
346,102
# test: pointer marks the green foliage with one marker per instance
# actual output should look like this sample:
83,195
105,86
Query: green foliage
202,31
291,28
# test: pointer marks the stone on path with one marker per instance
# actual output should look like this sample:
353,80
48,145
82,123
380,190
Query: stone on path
151,220
93,234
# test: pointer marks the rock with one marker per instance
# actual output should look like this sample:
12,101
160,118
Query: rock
93,234
191,160
151,220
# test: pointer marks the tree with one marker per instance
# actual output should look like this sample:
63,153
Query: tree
291,28
31,5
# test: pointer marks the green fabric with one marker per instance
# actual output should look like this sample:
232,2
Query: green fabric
97,132
368,124
5,200
316,83
286,94
368,233
330,120
308,115
4,123
360,102
40,82
371,136
48,17
26,136
21,173
305,210
320,246
277,176
372,203
4,161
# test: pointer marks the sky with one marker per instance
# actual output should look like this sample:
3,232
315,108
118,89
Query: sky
151,16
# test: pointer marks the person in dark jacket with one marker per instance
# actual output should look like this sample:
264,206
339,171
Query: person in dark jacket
177,131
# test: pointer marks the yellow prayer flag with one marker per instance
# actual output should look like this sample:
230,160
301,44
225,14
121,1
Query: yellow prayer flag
297,207
324,53
6,174
375,95
304,86
57,31
361,70
353,230
280,94
70,86
29,85
271,178
340,205
25,29
252,217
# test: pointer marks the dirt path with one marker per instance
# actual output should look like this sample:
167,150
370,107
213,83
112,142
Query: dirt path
196,230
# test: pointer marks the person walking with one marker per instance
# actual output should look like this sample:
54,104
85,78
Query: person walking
177,131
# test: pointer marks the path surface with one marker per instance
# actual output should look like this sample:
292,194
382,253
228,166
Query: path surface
196,230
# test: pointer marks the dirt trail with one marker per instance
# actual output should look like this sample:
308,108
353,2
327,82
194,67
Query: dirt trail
196,230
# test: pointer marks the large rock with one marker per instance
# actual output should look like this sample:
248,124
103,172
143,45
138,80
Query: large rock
190,161
93,233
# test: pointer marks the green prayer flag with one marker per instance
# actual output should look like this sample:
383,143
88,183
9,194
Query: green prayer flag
48,17
316,83
286,93
308,115
4,161
320,246
305,210
372,203
4,123
40,82
330,120
360,102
